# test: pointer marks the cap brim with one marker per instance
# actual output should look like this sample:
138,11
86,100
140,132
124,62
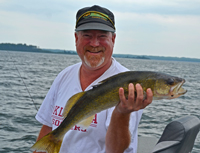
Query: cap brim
94,26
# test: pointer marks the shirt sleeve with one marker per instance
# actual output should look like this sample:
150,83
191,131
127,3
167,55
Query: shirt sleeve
44,113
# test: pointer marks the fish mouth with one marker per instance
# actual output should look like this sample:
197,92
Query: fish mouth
177,90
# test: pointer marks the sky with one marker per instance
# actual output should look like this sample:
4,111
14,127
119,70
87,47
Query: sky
143,27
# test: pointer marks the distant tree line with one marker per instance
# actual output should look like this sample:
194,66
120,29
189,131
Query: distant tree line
32,48
19,47
130,56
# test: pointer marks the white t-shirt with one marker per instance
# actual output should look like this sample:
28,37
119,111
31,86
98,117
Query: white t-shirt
78,140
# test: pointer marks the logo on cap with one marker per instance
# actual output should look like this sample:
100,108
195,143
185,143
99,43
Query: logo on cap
96,15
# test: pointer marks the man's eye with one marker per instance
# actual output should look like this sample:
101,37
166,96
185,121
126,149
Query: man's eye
86,35
170,81
102,36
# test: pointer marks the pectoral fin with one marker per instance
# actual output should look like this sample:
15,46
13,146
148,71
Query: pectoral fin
86,122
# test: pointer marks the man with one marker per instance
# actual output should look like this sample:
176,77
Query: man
113,130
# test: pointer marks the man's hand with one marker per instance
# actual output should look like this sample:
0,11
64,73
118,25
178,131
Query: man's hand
133,103
118,135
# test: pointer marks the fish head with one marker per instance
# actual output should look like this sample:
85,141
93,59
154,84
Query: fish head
168,87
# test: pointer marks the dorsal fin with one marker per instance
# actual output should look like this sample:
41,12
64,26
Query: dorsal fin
112,77
71,102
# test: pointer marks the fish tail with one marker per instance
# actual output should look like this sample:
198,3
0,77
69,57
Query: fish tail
48,143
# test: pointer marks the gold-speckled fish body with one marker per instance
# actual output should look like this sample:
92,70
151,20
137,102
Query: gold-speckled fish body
81,107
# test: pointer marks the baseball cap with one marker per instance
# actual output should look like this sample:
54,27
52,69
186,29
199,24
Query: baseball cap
95,18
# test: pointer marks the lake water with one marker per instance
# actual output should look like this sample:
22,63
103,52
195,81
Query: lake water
18,127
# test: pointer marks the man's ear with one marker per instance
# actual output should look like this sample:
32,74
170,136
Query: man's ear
76,37
113,37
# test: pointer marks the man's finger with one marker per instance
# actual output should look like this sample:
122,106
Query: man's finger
121,95
131,92
149,96
139,90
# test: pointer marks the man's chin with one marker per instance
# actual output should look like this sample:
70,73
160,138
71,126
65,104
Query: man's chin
94,64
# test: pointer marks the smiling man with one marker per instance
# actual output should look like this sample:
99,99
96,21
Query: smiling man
113,130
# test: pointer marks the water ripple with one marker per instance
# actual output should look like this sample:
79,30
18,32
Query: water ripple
18,126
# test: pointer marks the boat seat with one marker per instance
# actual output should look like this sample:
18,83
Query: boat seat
178,136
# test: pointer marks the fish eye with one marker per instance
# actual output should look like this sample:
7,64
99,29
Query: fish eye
170,81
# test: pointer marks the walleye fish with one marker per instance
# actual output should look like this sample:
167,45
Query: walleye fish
81,108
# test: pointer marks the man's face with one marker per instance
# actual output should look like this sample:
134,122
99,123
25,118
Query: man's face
95,47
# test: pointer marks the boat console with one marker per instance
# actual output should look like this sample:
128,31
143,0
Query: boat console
178,136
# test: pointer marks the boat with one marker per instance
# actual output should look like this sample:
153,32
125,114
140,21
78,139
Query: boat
178,137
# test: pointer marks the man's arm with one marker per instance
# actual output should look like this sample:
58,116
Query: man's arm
44,131
118,135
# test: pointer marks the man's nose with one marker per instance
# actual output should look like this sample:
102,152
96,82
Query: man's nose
94,42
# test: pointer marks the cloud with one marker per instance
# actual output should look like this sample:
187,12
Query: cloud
141,6
29,29
147,27
153,34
